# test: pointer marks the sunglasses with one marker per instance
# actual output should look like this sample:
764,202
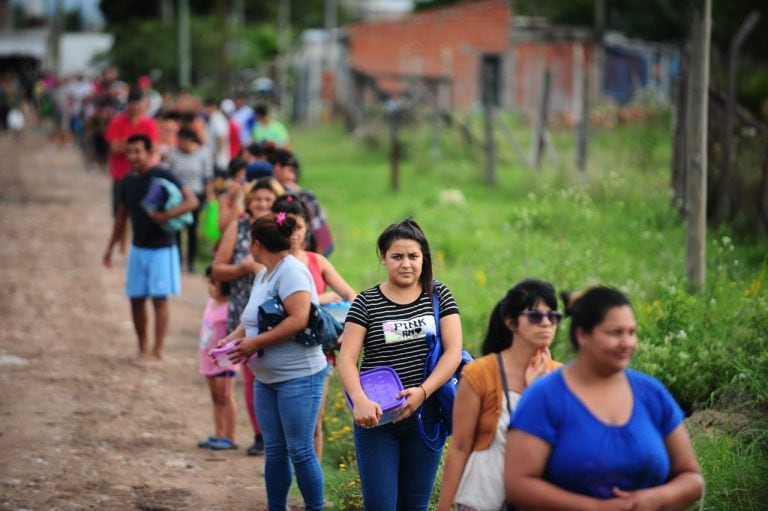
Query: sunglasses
536,317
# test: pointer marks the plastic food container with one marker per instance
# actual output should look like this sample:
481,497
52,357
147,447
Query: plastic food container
220,354
382,384
337,310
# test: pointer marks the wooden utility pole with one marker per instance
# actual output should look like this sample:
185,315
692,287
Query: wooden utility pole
541,120
283,42
724,180
329,57
6,16
394,111
490,141
185,46
582,124
54,37
166,11
696,144
224,10
237,14
598,59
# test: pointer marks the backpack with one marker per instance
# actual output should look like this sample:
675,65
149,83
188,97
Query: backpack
164,195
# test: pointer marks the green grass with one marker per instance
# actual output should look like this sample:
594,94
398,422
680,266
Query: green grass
734,473
615,227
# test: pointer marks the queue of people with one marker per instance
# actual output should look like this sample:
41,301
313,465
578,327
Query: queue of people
528,432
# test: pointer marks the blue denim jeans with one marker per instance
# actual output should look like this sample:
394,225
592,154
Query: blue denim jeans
287,413
397,470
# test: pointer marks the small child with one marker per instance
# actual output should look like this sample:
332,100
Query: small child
220,379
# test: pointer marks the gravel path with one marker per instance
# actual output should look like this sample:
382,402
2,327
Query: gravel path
80,428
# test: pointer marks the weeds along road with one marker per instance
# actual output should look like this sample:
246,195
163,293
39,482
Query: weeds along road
79,427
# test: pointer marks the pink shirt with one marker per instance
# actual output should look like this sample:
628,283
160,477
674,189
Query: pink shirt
120,128
214,327
317,273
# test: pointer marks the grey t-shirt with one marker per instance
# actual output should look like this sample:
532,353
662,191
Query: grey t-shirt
289,359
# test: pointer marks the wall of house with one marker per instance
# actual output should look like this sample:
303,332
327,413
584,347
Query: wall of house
445,42
567,61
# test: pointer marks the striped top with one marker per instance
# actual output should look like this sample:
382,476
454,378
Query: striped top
396,333
192,169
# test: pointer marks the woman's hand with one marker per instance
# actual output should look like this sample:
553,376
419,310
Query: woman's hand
243,350
248,265
329,297
414,398
640,500
366,413
537,365
221,342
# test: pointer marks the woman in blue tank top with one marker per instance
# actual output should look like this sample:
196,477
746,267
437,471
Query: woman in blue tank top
596,434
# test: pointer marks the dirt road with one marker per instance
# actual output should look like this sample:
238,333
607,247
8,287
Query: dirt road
80,428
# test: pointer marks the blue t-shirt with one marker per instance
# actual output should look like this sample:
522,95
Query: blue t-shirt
589,456
289,359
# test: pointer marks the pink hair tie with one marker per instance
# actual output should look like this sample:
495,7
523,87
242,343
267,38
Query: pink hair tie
280,220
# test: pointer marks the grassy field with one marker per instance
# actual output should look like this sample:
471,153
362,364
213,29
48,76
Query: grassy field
614,226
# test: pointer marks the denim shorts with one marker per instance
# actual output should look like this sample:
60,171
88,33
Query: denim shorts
153,272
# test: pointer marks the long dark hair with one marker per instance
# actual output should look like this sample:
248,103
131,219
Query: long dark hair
523,296
408,229
588,310
274,231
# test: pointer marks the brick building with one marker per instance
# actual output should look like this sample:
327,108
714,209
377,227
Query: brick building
455,48
452,43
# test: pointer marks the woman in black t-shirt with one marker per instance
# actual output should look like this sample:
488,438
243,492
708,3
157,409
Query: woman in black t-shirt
389,323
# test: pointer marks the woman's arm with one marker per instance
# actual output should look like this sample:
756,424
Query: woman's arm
466,410
296,307
450,332
365,411
228,205
237,333
686,483
335,281
222,269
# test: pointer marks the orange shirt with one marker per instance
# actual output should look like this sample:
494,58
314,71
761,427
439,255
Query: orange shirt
484,377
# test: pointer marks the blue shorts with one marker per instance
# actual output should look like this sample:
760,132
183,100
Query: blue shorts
153,272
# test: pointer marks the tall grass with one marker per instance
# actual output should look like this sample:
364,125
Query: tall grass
616,226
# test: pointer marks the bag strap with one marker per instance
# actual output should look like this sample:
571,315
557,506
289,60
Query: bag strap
436,440
504,382
436,312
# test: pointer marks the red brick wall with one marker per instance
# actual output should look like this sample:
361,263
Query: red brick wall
448,41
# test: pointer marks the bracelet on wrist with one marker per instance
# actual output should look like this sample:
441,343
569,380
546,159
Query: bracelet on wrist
424,390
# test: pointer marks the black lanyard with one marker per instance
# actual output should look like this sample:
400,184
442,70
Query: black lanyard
504,382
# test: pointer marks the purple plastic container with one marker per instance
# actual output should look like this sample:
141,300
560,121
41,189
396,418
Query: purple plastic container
382,384
220,354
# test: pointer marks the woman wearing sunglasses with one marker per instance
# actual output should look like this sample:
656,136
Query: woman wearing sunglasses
596,434
515,352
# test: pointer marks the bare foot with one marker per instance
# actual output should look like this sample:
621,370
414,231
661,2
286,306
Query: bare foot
144,360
